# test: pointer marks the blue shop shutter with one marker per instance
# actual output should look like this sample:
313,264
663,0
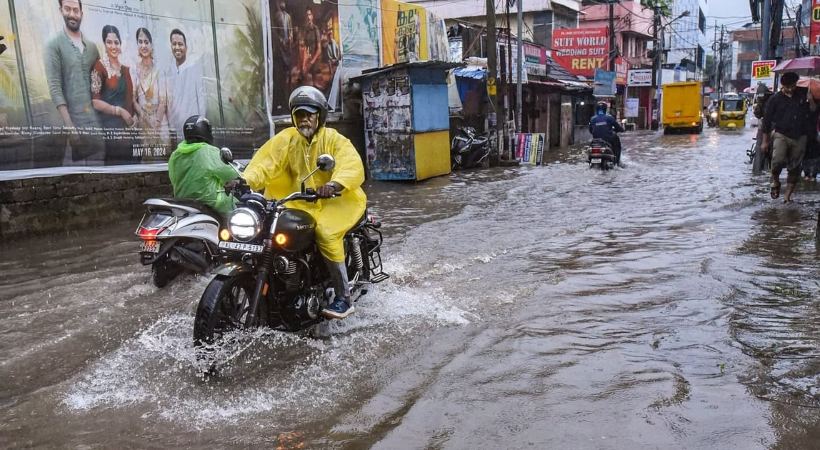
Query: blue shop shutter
431,111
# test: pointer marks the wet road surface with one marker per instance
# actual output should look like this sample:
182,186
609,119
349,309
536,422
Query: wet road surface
666,304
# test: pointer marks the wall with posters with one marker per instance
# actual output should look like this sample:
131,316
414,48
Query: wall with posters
109,83
305,49
581,50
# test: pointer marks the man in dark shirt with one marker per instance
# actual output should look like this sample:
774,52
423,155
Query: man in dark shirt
786,120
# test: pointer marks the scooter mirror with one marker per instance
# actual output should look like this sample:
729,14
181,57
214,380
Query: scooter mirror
325,162
226,155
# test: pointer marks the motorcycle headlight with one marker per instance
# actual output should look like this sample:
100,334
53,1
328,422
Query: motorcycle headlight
714,115
244,224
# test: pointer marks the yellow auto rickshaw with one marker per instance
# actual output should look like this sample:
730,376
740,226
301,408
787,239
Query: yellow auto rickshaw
732,112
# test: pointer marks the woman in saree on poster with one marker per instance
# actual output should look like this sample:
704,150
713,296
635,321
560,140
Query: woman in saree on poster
150,100
112,94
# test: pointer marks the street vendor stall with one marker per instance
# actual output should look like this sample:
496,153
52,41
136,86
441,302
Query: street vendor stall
406,117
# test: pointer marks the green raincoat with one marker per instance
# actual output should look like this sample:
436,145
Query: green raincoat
287,158
197,172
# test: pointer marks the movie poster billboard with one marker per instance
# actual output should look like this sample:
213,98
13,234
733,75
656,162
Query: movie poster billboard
581,50
360,33
306,50
111,83
404,33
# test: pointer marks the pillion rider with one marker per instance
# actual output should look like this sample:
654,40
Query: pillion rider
603,126
196,168
288,157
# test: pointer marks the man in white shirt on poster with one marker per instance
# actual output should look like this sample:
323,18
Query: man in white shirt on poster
187,92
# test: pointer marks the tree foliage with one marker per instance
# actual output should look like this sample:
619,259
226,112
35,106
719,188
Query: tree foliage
665,6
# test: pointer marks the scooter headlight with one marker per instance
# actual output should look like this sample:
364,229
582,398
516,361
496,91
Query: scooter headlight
244,224
714,115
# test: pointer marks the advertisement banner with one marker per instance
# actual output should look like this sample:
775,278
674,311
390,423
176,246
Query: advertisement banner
604,85
639,78
621,69
438,44
631,107
404,32
306,50
763,72
106,83
581,50
814,29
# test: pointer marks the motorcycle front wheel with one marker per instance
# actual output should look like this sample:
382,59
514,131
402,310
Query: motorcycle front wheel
223,307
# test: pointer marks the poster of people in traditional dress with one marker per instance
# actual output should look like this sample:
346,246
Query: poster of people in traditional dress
306,50
110,82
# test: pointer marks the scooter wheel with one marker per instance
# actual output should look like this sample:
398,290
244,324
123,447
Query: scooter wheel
163,272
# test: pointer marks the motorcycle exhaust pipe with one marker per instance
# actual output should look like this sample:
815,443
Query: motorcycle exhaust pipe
188,259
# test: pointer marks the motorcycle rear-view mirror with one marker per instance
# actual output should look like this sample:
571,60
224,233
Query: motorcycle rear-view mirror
226,155
325,163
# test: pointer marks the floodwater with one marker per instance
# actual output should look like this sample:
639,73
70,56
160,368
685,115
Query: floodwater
666,304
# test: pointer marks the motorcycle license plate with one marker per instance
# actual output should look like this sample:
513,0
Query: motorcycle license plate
595,161
242,247
149,247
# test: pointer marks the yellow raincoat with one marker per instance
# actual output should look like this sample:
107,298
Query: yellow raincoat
287,158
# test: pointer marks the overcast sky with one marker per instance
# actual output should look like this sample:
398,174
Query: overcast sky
733,12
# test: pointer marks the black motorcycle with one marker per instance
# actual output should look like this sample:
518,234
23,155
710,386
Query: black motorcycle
278,278
599,153
468,149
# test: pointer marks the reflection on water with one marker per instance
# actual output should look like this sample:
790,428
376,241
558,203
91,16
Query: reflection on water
669,303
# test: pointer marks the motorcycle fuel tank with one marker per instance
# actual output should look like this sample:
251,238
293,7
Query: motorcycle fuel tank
295,230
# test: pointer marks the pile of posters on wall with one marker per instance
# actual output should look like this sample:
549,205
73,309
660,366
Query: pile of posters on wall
530,147
108,83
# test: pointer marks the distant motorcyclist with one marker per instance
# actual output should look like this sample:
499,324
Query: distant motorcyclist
196,168
288,157
603,126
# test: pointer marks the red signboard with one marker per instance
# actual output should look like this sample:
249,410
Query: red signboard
621,68
581,50
814,36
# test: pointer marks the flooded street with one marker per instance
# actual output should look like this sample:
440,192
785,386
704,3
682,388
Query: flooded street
666,304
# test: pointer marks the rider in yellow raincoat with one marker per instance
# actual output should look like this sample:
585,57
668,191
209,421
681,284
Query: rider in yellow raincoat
287,158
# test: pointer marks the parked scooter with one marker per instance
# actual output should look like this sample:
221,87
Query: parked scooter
600,153
180,235
468,149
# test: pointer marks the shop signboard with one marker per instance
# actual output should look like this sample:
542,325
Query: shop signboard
621,69
581,50
763,72
639,78
604,85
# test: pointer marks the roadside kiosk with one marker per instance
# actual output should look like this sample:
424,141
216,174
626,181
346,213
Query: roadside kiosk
406,120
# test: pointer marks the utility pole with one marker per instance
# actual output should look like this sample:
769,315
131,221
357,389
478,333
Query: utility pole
613,51
518,94
656,62
715,59
720,63
492,78
766,25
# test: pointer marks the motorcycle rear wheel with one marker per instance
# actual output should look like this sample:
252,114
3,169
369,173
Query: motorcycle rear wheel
223,307
164,271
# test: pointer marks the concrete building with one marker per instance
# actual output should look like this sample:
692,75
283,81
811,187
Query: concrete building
747,45
540,16
686,42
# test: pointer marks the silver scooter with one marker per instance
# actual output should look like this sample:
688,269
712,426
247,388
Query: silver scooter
180,235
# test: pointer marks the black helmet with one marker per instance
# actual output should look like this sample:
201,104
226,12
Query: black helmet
601,107
310,99
198,129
